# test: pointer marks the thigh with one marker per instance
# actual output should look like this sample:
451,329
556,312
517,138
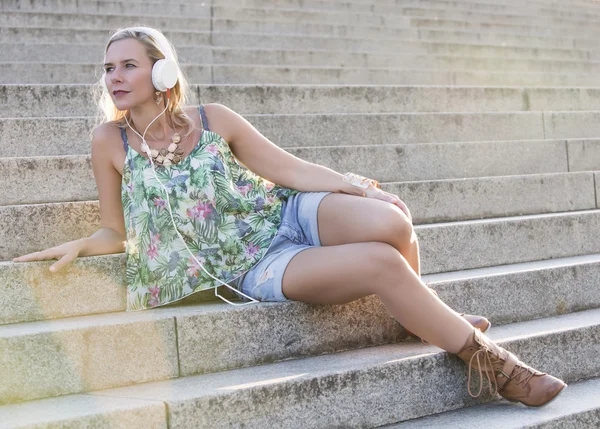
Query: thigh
341,274
344,219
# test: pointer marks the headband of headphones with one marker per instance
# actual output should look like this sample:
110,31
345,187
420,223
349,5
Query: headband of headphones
158,37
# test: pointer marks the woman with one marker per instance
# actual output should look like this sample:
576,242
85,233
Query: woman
191,217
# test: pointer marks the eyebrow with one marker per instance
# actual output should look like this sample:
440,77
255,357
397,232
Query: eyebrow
124,61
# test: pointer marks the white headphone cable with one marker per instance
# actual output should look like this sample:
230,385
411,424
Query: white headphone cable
146,149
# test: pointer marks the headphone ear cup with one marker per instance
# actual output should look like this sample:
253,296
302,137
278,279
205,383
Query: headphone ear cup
164,74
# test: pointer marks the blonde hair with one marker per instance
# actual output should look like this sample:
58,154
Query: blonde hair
108,112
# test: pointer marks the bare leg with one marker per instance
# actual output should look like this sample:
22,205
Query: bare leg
417,302
371,220
411,254
344,273
364,254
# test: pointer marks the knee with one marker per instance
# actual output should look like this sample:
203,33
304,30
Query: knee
391,270
399,225
387,263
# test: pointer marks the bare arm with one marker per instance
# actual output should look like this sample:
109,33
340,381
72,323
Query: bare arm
268,160
102,242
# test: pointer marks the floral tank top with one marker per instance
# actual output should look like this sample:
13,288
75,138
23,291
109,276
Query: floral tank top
227,215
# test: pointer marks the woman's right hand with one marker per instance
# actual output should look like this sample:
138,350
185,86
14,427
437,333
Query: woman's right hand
65,253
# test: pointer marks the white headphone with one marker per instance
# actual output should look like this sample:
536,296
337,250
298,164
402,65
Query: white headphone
164,72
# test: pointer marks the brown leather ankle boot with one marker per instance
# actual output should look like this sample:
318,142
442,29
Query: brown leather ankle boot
512,379
478,322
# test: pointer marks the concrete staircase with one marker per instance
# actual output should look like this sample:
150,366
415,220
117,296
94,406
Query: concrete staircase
483,116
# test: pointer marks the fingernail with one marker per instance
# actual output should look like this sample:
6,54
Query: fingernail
52,268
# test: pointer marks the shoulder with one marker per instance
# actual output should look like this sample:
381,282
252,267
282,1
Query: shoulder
107,144
212,111
218,116
106,134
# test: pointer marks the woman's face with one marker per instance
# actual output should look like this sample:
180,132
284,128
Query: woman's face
129,70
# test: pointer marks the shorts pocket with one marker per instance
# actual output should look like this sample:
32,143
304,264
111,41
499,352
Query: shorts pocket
291,233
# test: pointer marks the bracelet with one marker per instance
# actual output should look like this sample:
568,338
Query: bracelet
360,181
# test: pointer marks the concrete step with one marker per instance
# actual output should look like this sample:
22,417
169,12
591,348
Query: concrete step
579,407
199,10
341,132
232,18
573,9
190,41
589,6
317,391
179,8
16,18
455,200
85,411
509,17
340,41
27,101
398,17
548,3
345,42
97,284
527,9
45,179
90,285
541,30
24,73
40,35
64,356
366,35
190,55
82,220
242,21
387,6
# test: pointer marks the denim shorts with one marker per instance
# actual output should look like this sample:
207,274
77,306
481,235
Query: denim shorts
298,231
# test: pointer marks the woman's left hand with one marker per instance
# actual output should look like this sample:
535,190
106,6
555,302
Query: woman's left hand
380,194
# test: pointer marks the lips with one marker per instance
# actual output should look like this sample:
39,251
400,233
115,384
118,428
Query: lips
120,92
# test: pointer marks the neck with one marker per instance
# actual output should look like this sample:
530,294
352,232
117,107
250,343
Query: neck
141,116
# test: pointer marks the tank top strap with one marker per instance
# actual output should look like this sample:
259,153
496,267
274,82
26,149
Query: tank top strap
203,117
124,137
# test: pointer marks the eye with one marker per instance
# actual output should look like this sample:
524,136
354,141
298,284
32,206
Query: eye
107,69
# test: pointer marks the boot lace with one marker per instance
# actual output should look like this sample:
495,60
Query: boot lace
483,353
521,374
